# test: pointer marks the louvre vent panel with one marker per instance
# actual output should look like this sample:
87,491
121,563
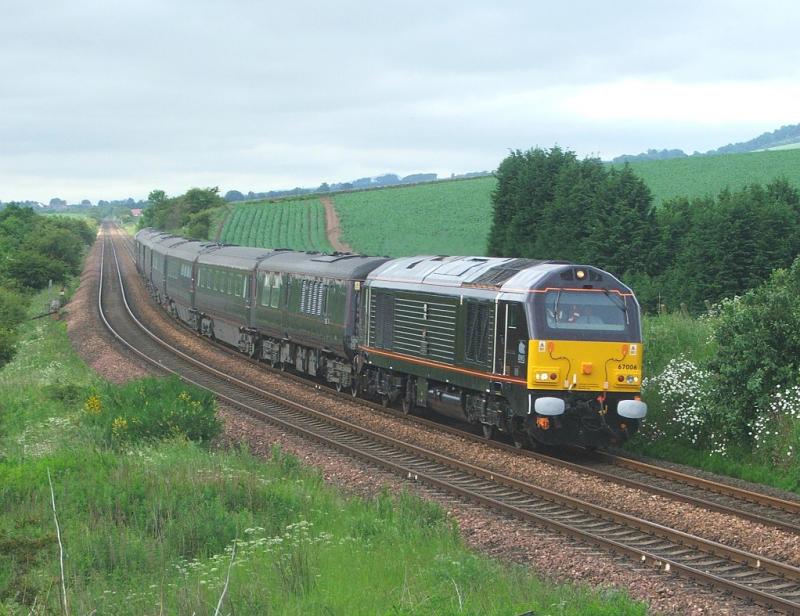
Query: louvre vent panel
425,329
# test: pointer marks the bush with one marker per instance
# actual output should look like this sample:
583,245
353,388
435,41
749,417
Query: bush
151,409
32,270
57,245
12,313
758,336
12,308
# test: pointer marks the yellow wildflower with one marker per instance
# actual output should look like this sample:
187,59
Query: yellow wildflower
118,427
93,405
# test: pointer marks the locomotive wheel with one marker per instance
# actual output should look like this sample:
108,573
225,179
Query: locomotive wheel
488,431
407,405
338,386
354,388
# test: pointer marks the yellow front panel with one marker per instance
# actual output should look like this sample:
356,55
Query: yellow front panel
582,366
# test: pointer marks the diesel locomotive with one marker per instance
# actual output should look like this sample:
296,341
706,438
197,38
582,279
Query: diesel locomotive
548,352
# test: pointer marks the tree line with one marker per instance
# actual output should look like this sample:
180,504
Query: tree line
34,250
548,204
189,214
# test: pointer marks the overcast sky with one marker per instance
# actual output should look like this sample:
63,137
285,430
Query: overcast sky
106,100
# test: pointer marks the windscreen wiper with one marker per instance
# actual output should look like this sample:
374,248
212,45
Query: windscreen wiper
623,306
555,309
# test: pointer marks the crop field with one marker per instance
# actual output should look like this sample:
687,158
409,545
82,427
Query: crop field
454,217
439,218
298,224
708,175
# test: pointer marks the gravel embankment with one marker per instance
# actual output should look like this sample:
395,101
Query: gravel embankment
554,556
90,338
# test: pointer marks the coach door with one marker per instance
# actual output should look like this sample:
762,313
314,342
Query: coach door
511,350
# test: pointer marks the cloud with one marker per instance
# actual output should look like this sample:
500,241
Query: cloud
107,100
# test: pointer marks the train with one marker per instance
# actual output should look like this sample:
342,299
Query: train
548,353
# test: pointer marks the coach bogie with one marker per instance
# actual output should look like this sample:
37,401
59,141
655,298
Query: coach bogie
207,326
338,373
248,342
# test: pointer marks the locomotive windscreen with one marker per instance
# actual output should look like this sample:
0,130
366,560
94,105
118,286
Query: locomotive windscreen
589,315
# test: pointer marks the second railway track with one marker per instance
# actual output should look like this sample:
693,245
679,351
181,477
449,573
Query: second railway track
764,581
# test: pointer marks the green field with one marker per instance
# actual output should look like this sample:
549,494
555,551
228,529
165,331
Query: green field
453,217
438,218
708,175
297,224
788,146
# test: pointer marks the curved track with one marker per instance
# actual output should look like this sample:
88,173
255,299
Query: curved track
764,581
700,492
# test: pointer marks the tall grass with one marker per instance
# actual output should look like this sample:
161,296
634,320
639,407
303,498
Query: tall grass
149,525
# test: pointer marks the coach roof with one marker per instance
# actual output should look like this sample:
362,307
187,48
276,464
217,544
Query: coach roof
189,250
345,266
237,257
150,236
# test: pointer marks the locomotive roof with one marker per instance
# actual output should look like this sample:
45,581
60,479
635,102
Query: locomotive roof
491,273
337,265
238,257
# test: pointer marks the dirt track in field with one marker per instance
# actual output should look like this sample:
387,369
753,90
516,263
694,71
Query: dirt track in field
333,227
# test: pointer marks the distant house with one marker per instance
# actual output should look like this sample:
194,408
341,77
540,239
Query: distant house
136,212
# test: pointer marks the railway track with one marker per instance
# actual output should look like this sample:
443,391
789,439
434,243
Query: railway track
714,496
764,581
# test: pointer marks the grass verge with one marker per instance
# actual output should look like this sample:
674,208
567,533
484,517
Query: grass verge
149,523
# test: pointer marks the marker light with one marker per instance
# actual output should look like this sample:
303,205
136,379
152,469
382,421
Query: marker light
580,274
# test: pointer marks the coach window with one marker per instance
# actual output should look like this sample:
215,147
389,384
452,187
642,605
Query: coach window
266,289
215,279
276,291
